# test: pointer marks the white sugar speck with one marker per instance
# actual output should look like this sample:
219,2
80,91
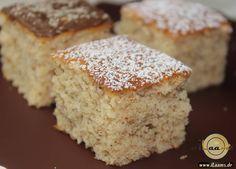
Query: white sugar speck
120,63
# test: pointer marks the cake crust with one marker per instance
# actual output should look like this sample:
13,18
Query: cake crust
106,26
119,64
176,18
51,18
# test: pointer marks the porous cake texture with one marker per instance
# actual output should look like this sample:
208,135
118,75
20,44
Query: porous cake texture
122,99
190,32
31,32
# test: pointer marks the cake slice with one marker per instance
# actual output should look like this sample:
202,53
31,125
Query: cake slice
190,32
122,99
31,32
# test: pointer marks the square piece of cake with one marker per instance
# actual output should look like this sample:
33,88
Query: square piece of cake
31,32
122,99
190,32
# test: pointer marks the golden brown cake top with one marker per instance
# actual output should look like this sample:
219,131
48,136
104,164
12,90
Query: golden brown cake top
176,16
53,17
121,64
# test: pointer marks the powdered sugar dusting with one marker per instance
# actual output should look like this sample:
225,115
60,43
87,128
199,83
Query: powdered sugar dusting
119,63
65,11
56,15
177,16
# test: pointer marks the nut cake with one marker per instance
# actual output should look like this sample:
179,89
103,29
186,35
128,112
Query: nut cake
32,31
190,32
122,99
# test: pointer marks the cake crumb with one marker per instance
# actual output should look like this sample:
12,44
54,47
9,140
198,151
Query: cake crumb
183,157
1,167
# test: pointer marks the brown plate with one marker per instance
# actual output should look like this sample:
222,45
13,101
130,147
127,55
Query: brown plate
29,141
